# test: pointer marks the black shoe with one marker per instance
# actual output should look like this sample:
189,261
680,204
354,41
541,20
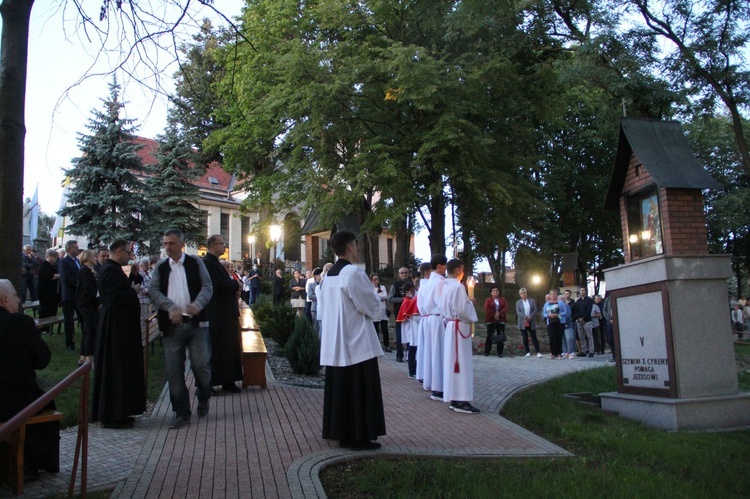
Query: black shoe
436,396
464,407
29,474
120,424
486,354
231,388
203,408
399,359
591,356
388,350
360,445
70,348
179,421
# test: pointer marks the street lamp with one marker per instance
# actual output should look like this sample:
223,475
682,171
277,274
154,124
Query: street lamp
275,238
536,280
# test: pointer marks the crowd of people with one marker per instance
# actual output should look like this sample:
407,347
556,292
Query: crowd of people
196,300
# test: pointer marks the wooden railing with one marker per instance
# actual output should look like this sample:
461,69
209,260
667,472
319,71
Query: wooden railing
82,440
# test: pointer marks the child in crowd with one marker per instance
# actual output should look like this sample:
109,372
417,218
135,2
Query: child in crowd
408,316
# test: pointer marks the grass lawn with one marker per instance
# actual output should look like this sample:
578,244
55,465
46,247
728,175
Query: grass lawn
64,362
614,457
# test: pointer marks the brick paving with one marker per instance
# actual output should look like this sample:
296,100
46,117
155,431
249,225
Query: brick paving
266,443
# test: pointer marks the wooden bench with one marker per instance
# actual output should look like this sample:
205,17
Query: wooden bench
14,472
33,305
49,322
254,351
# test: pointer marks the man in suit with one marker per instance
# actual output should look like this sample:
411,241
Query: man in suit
181,289
68,268
526,312
223,315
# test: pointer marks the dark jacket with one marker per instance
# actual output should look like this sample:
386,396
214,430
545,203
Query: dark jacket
489,310
583,308
68,277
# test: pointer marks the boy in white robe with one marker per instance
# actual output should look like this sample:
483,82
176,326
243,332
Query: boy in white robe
349,348
459,313
425,269
432,322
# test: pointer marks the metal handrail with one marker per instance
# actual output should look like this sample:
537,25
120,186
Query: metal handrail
9,427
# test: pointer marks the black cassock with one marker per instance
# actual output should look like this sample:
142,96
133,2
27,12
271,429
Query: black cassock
22,351
224,319
119,384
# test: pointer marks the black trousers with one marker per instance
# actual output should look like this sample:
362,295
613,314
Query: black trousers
492,330
525,335
69,324
381,327
412,362
399,346
555,331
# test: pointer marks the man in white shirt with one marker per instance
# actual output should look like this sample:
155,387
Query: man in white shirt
458,313
180,290
349,348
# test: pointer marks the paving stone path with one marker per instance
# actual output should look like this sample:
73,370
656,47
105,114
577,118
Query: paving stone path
266,443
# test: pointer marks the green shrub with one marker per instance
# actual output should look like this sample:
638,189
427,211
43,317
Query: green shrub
303,348
262,310
278,324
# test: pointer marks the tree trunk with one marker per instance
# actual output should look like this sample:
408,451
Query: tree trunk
13,58
437,219
401,256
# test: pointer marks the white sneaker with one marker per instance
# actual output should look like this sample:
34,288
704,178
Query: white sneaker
539,356
528,354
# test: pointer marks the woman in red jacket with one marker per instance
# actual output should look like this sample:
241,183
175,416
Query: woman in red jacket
495,314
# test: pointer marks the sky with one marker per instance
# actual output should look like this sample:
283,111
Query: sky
68,76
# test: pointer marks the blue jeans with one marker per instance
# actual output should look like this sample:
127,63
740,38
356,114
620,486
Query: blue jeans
198,344
569,343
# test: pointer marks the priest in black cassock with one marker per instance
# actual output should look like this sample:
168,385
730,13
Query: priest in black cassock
224,320
22,351
349,348
119,383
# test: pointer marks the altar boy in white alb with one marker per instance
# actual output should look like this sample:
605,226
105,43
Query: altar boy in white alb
458,366
349,348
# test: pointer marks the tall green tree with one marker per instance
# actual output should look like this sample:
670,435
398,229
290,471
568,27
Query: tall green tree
727,209
709,57
172,192
106,198
201,66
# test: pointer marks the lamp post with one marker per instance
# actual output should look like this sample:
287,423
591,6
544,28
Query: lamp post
251,243
275,238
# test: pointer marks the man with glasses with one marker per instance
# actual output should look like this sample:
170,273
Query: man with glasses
181,289
119,386
223,311
396,297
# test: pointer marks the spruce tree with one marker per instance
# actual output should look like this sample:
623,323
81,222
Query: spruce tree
106,199
172,193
